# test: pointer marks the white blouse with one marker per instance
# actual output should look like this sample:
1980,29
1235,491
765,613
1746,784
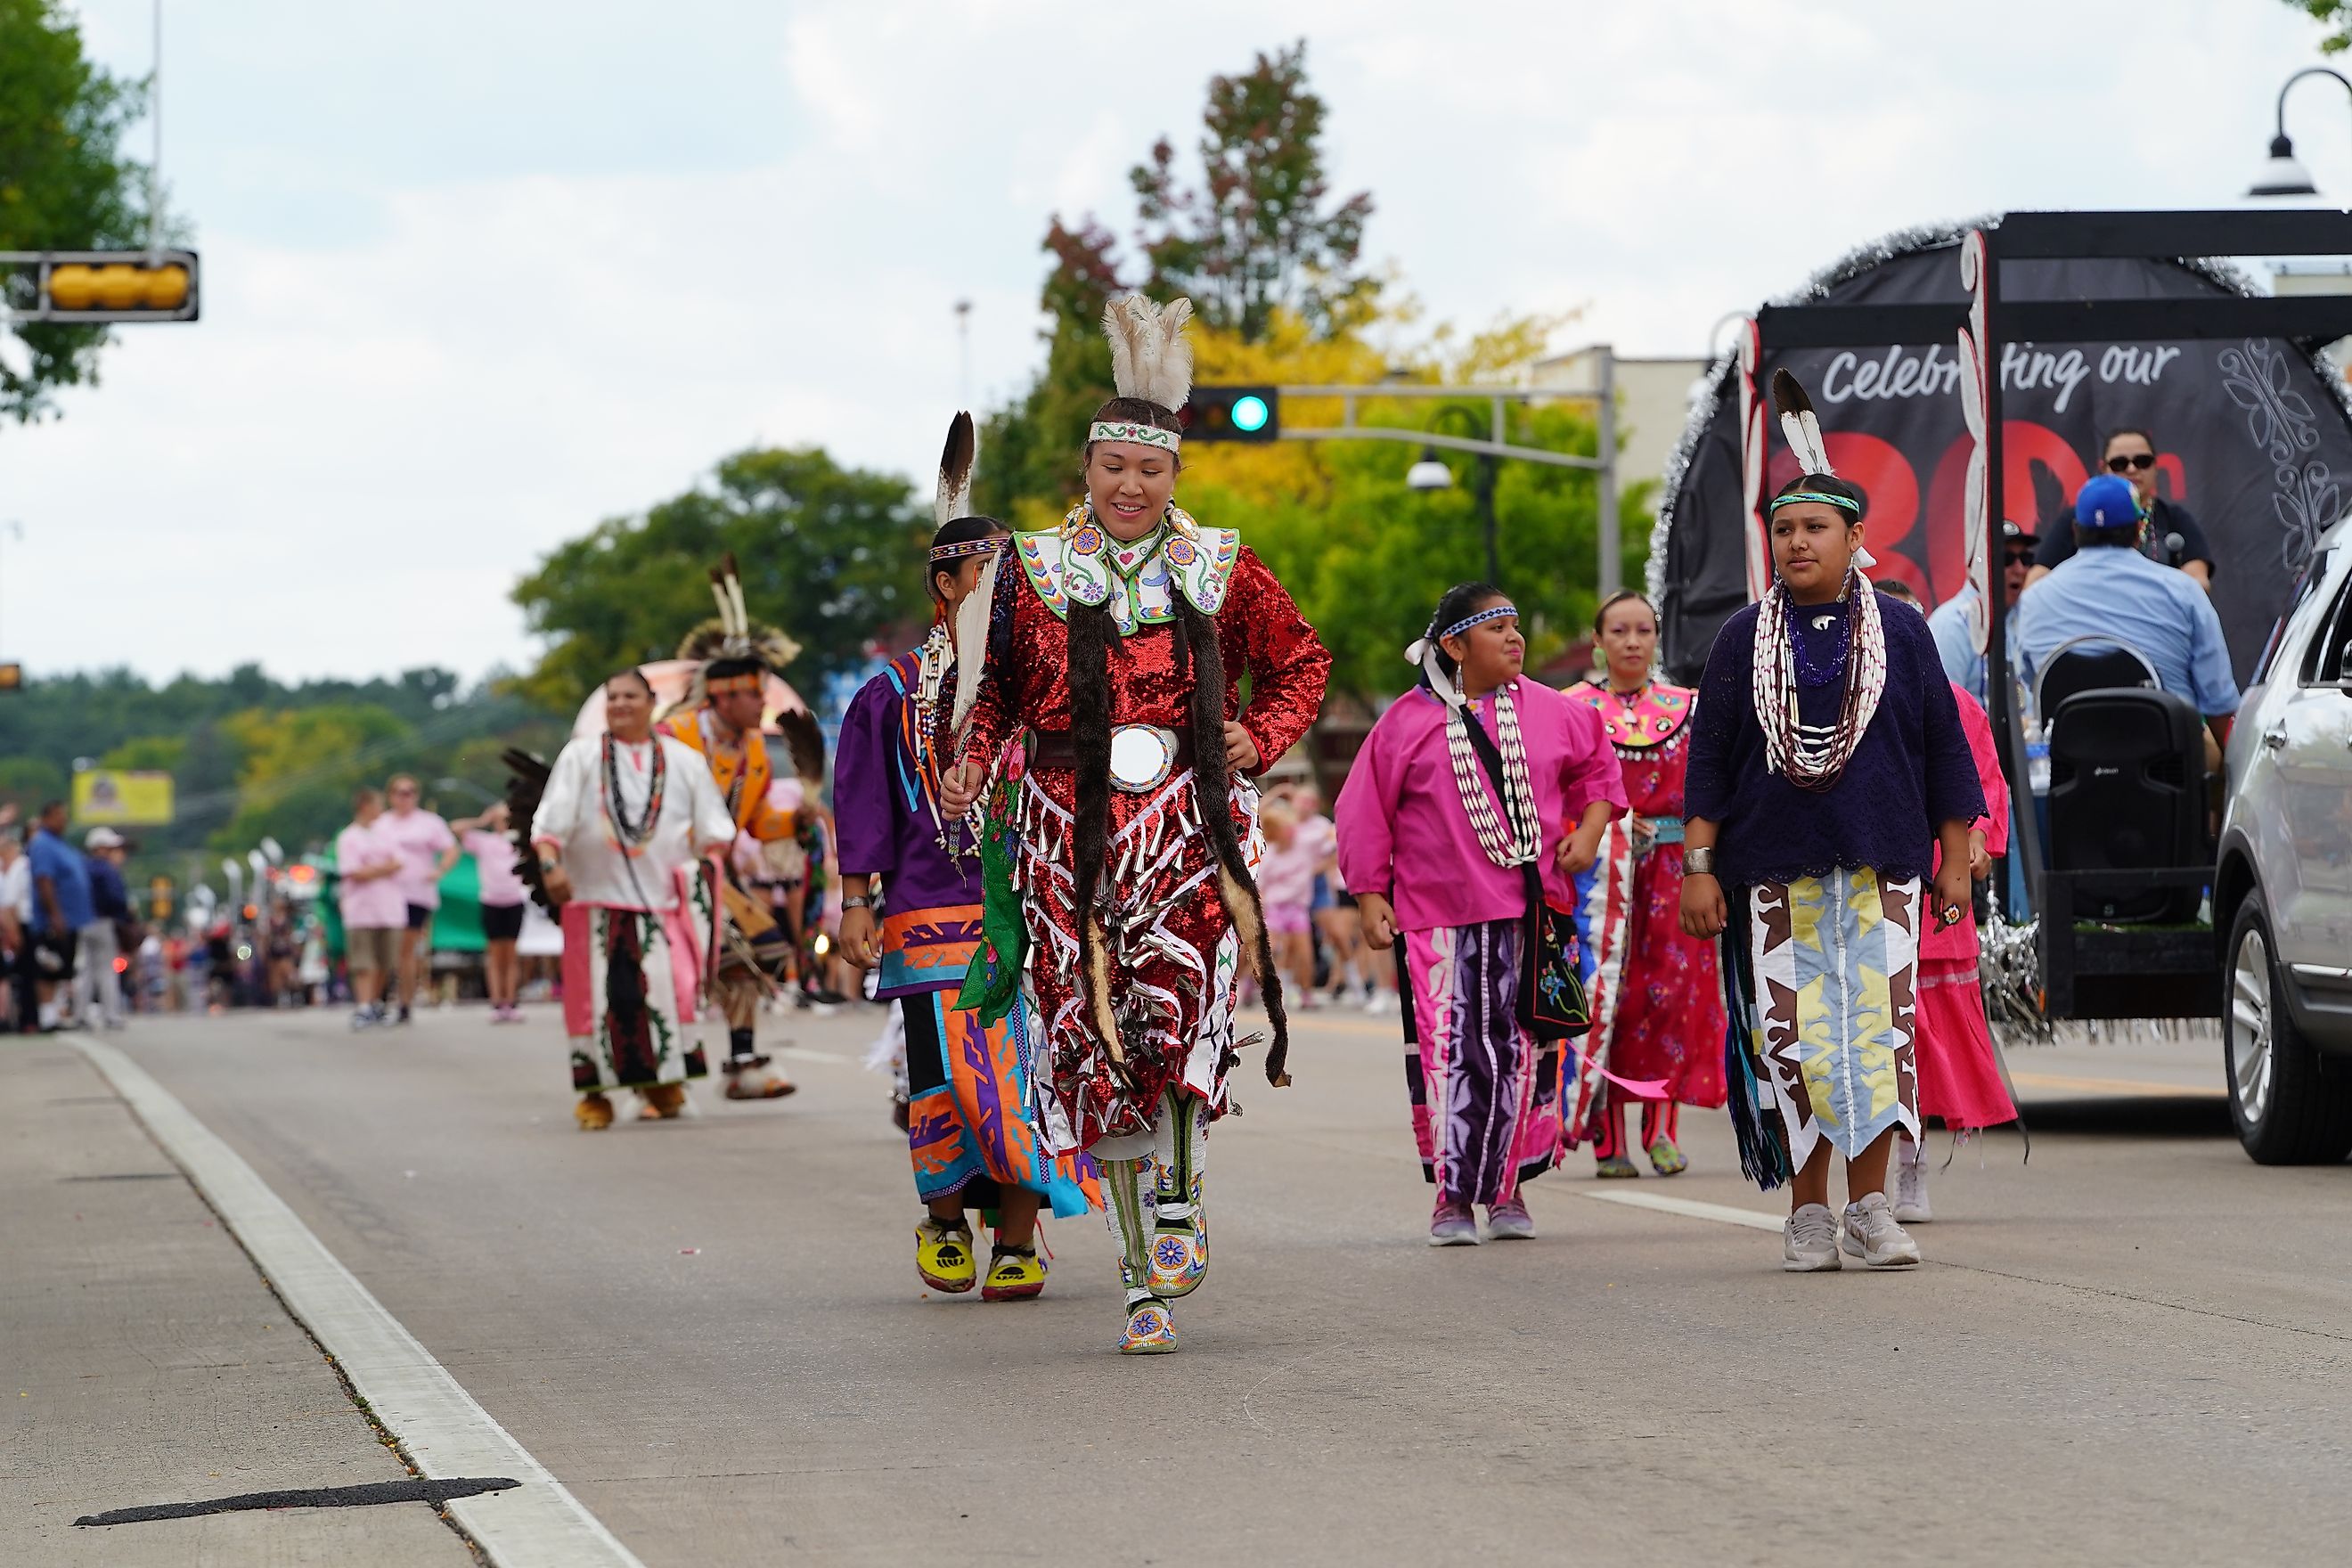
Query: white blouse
573,814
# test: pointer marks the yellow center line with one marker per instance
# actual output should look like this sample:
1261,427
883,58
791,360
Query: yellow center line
2115,1084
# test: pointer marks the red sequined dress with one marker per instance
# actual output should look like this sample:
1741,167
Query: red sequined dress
1657,1001
1172,954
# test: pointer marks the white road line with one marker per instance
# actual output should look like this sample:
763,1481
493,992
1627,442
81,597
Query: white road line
810,1054
1689,1208
539,1524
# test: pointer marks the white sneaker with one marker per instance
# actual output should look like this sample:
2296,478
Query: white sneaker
1872,1234
1911,1187
1809,1241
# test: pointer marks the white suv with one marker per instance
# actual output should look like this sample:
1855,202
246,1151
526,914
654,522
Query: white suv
2282,886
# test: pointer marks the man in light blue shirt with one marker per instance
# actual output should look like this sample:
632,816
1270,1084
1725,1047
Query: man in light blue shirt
1963,665
2119,592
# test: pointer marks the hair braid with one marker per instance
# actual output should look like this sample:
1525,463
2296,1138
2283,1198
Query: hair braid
1197,644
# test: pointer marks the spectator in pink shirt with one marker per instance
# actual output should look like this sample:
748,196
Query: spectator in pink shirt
502,895
427,849
367,893
1286,888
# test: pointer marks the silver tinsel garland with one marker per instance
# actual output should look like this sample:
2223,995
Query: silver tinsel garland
2222,274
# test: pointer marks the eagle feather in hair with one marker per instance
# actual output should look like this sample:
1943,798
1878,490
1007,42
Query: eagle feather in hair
1799,423
957,465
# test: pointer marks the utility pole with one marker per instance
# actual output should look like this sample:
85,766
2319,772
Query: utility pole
964,353
1612,545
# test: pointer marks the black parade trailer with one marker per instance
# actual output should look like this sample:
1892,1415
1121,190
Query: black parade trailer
1968,377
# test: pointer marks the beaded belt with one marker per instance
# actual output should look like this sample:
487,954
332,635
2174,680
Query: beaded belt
1143,756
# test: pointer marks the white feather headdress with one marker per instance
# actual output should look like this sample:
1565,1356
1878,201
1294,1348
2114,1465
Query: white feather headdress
1150,358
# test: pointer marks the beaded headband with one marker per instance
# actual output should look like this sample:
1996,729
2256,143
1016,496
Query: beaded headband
989,546
1143,435
1494,613
1845,502
724,683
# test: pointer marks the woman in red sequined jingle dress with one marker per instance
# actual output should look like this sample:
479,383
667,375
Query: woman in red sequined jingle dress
1656,998
1121,639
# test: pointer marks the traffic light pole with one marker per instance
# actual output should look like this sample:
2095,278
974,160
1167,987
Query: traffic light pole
1609,565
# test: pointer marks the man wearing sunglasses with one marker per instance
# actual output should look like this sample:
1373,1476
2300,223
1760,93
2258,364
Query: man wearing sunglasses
2131,454
1963,665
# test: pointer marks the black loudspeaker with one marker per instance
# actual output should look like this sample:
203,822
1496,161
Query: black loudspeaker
2128,793
2083,669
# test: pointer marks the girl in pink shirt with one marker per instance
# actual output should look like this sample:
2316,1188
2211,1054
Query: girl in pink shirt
1434,856
1286,886
502,895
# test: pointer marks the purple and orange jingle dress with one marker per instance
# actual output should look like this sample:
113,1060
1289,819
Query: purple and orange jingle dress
969,1084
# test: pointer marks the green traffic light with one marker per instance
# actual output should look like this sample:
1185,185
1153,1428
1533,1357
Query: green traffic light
1249,413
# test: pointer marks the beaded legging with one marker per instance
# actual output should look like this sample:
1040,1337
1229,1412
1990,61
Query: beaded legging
1660,1119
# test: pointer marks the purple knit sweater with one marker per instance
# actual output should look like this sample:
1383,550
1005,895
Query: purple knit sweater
1911,772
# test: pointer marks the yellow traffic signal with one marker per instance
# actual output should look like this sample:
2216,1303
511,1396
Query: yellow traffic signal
97,286
119,287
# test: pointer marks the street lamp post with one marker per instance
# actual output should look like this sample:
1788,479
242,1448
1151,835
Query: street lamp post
1429,474
2282,173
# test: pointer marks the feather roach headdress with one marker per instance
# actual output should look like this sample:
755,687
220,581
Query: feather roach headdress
732,635
731,639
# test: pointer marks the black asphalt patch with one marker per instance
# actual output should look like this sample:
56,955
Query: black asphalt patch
368,1496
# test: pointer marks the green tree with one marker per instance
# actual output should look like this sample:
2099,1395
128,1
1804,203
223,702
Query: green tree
148,753
26,781
1253,237
1252,246
1368,560
243,765
65,183
299,767
2335,16
833,556
1028,449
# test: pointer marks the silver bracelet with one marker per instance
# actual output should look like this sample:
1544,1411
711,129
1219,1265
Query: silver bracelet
1699,862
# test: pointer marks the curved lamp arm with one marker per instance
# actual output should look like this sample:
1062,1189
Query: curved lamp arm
2341,79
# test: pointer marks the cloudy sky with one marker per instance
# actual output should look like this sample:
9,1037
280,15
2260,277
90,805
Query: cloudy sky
479,274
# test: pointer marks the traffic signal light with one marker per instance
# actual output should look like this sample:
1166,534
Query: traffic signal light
99,286
1234,414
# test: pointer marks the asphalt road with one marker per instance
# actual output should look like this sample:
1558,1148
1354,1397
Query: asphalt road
2130,1350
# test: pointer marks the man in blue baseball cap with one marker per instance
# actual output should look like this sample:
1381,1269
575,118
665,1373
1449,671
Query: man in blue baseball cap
2110,589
